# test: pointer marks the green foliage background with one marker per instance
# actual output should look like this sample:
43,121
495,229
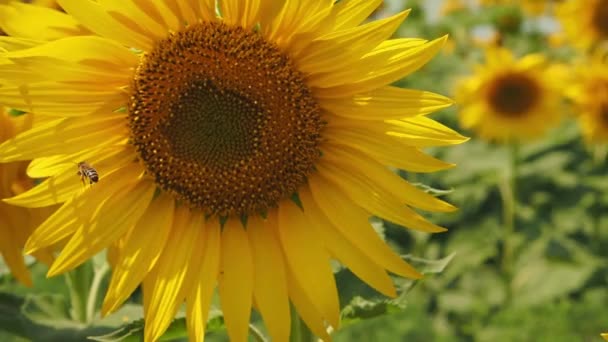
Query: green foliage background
555,288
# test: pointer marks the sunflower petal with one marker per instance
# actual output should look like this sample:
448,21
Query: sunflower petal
42,23
199,300
355,227
140,252
10,253
69,136
270,284
333,50
305,253
77,212
387,103
351,13
306,308
94,17
236,280
386,149
167,286
397,59
241,13
57,99
115,216
61,187
365,171
349,255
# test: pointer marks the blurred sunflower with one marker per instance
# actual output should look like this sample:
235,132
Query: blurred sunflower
589,92
509,99
16,223
585,22
244,150
605,336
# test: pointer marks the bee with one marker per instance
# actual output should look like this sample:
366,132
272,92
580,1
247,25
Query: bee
85,170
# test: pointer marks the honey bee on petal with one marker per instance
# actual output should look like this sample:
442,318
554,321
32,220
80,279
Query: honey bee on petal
85,170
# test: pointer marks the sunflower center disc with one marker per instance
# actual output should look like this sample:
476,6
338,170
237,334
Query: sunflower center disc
600,18
513,94
223,120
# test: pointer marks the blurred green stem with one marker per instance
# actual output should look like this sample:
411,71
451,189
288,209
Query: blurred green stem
299,330
94,290
599,152
508,192
77,281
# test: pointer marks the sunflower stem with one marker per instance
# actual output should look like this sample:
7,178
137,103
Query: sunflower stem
94,290
78,281
299,330
508,192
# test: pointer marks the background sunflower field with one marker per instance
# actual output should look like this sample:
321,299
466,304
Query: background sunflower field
525,257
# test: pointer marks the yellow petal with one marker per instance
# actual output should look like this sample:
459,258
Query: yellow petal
95,17
240,13
373,178
69,136
297,16
61,187
343,250
351,13
270,282
306,308
236,280
388,63
13,43
112,220
332,51
308,259
85,50
132,14
11,254
386,103
57,99
386,149
42,23
78,211
382,204
140,252
417,131
168,286
355,226
199,300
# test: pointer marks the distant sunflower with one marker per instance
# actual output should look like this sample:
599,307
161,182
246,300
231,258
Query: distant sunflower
17,223
585,22
509,99
589,92
605,336
242,151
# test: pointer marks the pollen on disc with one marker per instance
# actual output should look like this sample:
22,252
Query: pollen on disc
223,120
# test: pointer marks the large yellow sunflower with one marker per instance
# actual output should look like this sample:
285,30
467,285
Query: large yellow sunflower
589,92
510,99
585,22
241,151
17,223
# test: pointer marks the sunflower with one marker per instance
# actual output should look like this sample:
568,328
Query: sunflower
510,99
17,223
241,151
605,336
589,93
585,22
